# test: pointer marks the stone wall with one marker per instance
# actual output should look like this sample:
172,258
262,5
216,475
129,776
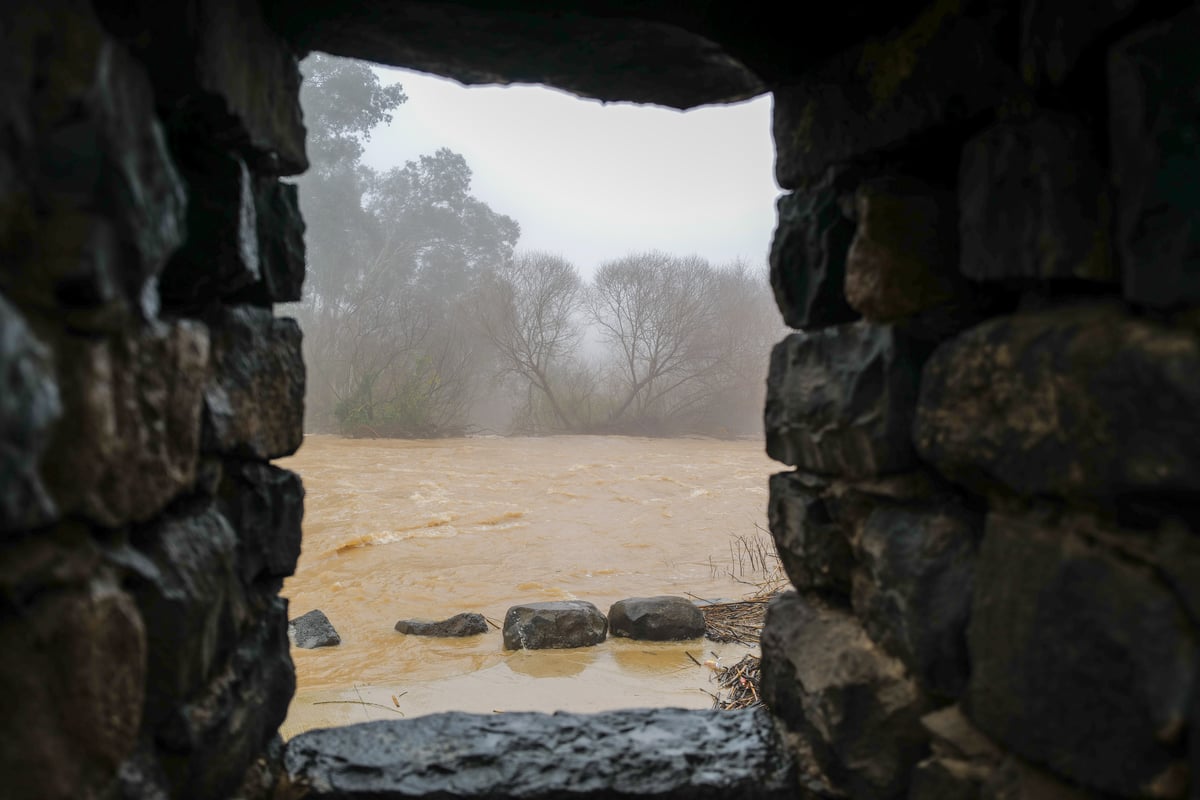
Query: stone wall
143,535
988,245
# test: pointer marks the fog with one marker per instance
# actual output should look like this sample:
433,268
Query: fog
540,264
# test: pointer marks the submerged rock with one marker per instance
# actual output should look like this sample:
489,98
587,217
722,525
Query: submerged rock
313,630
466,624
656,619
554,625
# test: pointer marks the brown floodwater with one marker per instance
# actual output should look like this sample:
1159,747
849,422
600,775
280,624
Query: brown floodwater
400,529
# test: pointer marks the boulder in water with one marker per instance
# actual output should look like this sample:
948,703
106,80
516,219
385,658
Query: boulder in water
467,624
656,619
313,630
555,625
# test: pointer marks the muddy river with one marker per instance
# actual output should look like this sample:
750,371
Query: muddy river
399,529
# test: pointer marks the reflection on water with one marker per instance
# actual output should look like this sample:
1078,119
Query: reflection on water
426,529
551,663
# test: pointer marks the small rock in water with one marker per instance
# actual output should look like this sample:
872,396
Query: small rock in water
313,630
656,619
554,625
467,624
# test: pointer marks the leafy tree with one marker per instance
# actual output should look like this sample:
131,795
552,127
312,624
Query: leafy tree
388,252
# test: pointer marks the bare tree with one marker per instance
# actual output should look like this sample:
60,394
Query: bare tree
653,311
528,310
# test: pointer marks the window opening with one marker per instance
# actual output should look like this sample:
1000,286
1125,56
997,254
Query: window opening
536,331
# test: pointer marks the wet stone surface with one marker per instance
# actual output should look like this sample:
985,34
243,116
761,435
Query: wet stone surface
554,625
459,625
657,619
313,630
661,753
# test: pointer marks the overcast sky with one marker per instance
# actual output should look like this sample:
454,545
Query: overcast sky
592,181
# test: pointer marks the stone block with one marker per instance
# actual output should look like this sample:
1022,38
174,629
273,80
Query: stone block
554,625
840,401
460,625
220,256
824,678
942,69
184,580
1054,37
265,506
281,253
1081,660
903,261
1153,129
312,630
73,670
1035,203
109,204
208,744
1014,779
812,543
1084,401
913,592
808,258
961,761
29,407
656,619
221,74
966,765
129,436
254,401
666,753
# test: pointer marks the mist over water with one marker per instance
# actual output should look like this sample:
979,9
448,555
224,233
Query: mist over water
399,529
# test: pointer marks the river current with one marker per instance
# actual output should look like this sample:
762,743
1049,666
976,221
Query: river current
400,529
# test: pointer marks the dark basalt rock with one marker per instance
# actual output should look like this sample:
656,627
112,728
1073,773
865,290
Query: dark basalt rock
1081,659
1085,402
853,705
73,673
913,592
808,258
265,505
312,630
460,625
74,665
961,762
1034,203
254,403
554,625
281,253
220,255
183,579
1055,37
656,619
29,406
1156,166
632,56
131,421
220,74
663,753
812,544
208,744
93,204
840,401
966,765
940,70
903,262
